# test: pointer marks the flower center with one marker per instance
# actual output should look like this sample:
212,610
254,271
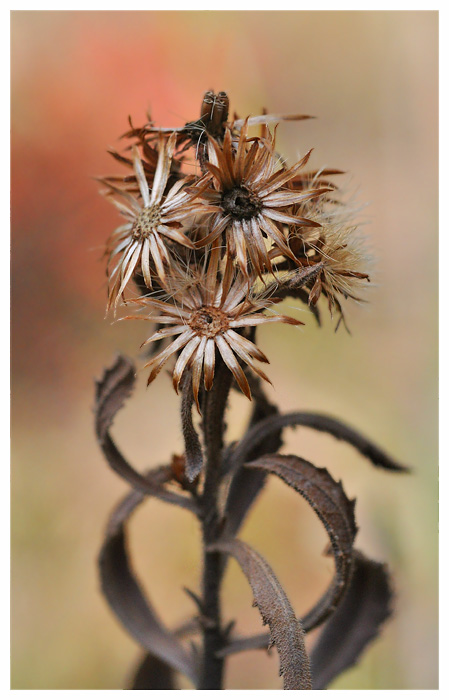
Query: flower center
146,222
209,321
241,203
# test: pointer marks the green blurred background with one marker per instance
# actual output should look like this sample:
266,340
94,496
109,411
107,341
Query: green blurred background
371,79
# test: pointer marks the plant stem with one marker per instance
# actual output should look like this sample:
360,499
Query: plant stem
214,407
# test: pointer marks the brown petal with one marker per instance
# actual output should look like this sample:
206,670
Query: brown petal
197,367
233,365
247,345
161,358
209,364
280,178
162,168
162,333
140,176
241,352
183,360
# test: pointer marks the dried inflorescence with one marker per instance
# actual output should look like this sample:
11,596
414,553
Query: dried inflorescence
246,216
211,244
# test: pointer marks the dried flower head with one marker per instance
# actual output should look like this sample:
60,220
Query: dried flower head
250,199
341,256
206,315
154,222
334,254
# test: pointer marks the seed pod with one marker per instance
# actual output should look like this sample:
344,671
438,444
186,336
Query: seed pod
207,105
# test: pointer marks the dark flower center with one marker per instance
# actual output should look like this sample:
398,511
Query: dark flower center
209,321
241,203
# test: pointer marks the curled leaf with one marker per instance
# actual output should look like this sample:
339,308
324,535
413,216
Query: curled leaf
335,511
316,421
111,392
244,486
126,598
285,629
355,623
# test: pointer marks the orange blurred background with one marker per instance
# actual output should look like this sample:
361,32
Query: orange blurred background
371,79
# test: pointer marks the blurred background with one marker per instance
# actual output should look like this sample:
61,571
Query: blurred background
371,79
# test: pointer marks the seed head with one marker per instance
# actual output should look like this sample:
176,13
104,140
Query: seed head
154,222
210,315
250,200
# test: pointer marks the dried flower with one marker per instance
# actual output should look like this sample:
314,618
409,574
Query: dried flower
152,223
334,253
206,315
250,201
340,256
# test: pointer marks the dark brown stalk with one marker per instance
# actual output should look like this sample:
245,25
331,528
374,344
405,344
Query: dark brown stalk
214,406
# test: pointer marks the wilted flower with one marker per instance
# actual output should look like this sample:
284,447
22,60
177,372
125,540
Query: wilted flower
341,256
327,264
141,244
208,315
250,200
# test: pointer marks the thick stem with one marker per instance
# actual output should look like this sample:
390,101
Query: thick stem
213,427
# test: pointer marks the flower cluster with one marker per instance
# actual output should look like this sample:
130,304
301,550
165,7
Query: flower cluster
212,242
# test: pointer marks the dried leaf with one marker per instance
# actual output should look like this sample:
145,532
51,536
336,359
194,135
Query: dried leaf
335,511
355,623
244,489
246,484
153,674
286,631
111,392
317,421
126,598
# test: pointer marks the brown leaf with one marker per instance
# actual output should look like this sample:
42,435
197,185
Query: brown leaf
125,596
355,623
247,484
335,511
111,392
286,631
317,421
